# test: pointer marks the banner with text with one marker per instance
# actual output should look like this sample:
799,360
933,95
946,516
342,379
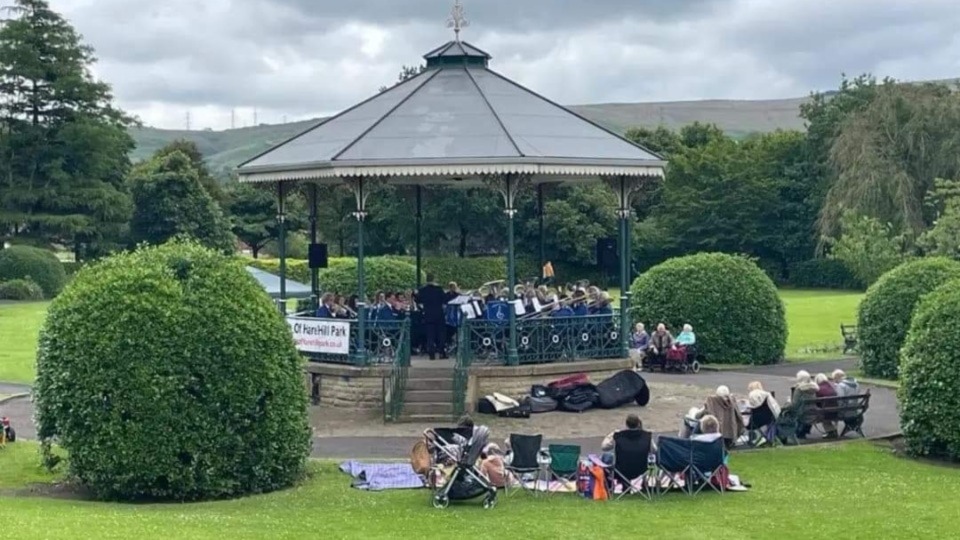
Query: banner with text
320,336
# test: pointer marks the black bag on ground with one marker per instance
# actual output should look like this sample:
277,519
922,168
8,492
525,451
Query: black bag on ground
503,406
622,388
539,391
579,398
541,404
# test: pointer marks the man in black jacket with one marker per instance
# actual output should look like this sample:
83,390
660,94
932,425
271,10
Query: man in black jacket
432,299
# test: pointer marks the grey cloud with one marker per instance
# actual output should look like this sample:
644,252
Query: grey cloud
308,57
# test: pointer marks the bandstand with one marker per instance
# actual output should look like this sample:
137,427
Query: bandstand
458,124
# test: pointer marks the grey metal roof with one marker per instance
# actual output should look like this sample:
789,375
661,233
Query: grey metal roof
454,112
271,284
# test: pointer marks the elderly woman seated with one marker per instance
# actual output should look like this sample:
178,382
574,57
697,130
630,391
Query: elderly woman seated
804,393
709,429
724,408
763,410
686,337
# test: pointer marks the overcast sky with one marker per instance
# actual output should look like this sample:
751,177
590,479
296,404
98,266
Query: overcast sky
299,59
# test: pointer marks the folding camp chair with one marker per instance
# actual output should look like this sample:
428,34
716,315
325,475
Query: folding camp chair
526,458
673,462
691,465
762,427
564,459
708,466
632,465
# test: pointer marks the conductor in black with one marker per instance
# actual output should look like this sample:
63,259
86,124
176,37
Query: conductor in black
431,299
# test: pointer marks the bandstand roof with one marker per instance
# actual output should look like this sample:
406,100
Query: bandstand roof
456,120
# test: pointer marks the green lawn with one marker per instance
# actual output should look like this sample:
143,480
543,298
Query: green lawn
814,317
19,325
845,491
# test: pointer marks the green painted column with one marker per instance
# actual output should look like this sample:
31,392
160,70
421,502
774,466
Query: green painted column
513,358
282,248
419,221
540,226
360,354
624,238
314,272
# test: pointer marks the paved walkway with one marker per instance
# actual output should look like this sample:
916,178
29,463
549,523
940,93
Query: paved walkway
349,436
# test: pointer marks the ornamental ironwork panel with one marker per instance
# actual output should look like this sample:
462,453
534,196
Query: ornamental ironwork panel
386,342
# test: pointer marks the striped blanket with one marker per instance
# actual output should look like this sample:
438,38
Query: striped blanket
381,476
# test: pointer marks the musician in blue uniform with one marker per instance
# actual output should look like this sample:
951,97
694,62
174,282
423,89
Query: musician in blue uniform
603,307
326,309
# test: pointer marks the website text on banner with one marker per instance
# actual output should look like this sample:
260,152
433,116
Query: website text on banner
320,336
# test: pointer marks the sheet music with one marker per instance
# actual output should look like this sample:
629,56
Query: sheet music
467,310
536,304
518,307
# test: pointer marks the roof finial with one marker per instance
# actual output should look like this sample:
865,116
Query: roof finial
457,19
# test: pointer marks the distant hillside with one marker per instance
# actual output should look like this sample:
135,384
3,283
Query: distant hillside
225,149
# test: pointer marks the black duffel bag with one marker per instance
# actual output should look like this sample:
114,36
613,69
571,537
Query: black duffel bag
579,398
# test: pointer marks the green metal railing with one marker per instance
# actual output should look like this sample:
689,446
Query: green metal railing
539,341
385,342
395,386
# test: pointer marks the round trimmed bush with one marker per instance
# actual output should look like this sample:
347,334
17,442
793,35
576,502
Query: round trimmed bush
732,304
930,375
20,289
380,274
885,312
167,373
39,265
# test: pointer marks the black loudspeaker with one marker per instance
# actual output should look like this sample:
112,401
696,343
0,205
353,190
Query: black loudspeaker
607,258
318,255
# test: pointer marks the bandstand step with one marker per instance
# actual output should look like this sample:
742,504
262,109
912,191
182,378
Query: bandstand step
430,373
440,408
429,396
439,419
414,385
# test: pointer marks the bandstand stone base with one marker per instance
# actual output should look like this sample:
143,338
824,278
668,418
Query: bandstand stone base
515,381
361,388
345,387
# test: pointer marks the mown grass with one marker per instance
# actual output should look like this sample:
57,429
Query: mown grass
19,327
814,318
846,491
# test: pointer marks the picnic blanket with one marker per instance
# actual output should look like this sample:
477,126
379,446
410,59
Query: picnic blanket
382,476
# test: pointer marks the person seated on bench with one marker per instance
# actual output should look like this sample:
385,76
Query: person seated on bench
845,386
660,342
825,389
686,338
709,429
803,392
632,423
639,342
764,411
722,406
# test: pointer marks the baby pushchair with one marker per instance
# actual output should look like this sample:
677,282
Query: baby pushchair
459,448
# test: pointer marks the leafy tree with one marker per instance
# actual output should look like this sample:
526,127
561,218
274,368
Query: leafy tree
169,202
944,237
190,149
253,215
576,218
712,200
887,155
63,145
660,140
868,247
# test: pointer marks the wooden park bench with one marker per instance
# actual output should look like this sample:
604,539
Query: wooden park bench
847,409
849,332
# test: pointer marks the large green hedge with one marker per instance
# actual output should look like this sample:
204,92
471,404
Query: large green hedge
380,274
823,274
39,265
885,312
930,376
167,373
733,305
20,289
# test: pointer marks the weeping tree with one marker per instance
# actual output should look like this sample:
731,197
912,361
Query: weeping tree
887,156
